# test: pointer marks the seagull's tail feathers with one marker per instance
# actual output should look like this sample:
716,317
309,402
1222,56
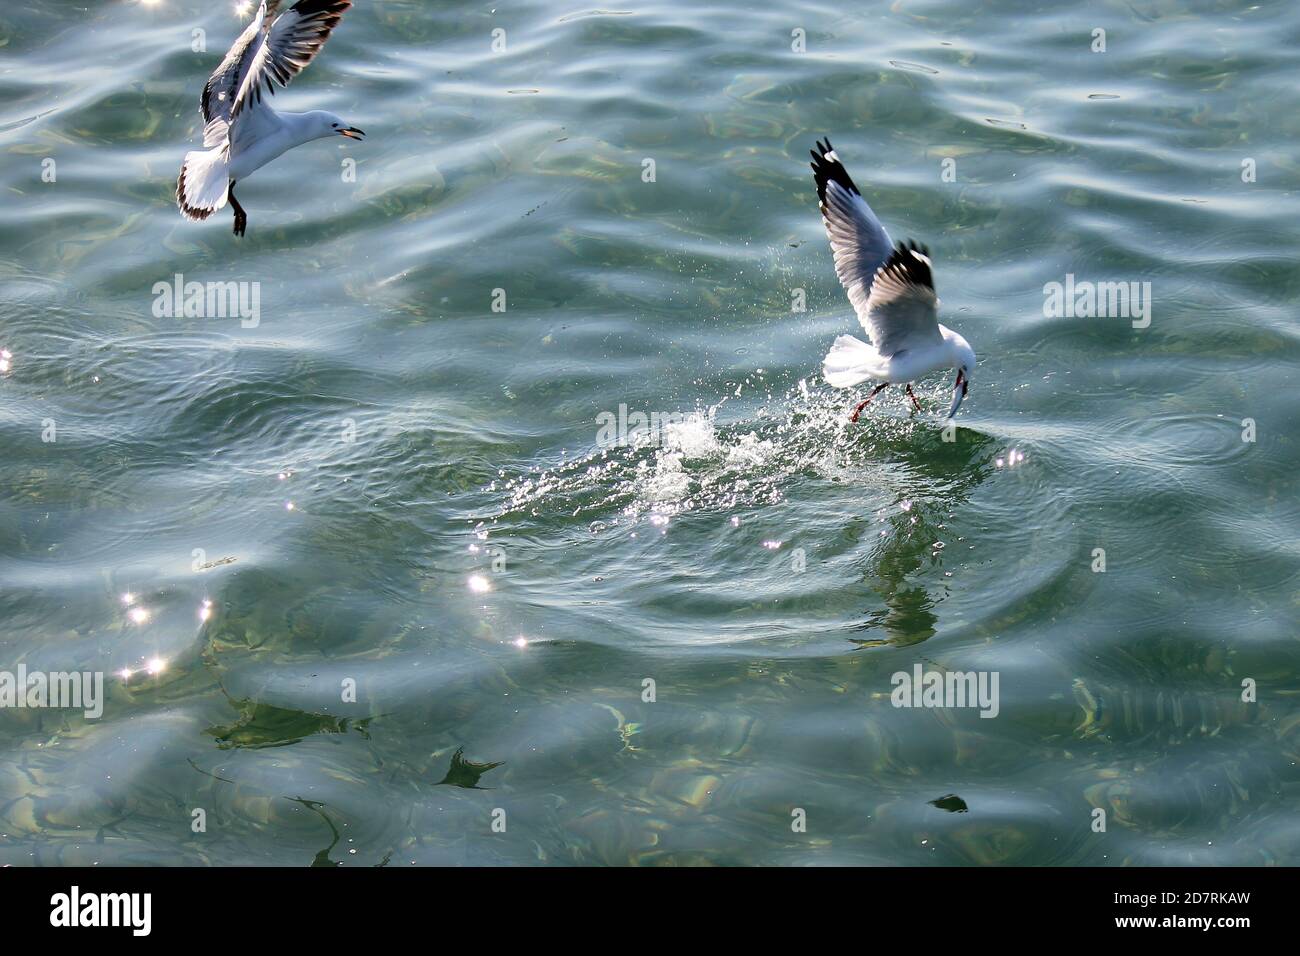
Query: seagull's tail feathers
851,361
204,183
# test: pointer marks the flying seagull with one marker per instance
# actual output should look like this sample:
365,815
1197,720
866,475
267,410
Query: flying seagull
243,133
892,290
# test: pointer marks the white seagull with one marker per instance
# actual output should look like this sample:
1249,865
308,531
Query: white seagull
892,290
243,133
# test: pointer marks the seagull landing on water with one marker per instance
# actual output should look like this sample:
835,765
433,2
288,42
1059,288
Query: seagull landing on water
243,133
892,290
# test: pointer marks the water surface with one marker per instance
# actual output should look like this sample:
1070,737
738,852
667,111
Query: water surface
389,485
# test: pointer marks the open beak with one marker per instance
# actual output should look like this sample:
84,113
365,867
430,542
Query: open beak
352,133
959,389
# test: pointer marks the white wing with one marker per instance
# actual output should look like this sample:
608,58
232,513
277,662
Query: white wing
859,242
901,312
264,56
219,92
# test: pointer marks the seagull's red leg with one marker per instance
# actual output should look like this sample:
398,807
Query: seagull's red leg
915,403
863,404
241,218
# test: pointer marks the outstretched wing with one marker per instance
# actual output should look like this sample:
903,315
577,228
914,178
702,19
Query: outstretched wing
264,52
902,310
859,242
284,50
219,92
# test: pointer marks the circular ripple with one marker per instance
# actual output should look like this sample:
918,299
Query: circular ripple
1187,439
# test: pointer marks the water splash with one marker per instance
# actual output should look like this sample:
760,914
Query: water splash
731,456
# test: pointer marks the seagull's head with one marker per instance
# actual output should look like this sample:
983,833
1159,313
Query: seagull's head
327,124
964,363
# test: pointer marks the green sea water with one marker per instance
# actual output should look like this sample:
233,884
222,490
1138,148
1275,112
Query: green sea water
370,581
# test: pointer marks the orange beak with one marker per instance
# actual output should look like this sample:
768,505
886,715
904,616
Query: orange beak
352,133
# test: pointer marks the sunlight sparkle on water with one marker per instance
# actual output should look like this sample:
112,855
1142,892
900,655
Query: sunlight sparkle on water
138,614
155,665
479,584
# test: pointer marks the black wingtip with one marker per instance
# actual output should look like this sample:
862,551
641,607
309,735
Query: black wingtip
909,262
307,8
827,168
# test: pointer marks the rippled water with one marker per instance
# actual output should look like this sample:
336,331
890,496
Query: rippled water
386,481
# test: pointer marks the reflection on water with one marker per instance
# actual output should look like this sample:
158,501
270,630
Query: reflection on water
917,534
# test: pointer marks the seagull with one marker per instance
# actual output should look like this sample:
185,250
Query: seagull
892,291
242,132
